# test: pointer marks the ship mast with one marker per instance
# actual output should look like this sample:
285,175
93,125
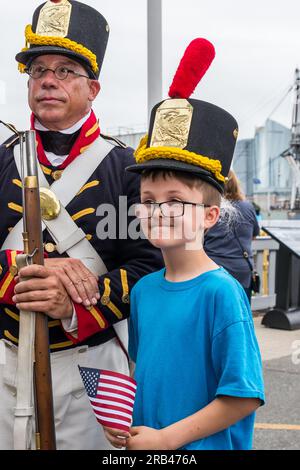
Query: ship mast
292,154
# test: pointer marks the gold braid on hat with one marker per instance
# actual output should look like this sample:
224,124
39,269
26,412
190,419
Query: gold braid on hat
37,40
143,154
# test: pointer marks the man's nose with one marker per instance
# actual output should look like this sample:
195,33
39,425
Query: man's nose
48,78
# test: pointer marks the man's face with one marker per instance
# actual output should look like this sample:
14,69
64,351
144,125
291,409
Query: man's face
58,104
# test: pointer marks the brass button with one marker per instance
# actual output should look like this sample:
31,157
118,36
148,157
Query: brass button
50,205
1,269
105,300
125,299
56,174
50,247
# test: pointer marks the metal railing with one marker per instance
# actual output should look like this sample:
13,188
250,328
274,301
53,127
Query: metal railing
264,254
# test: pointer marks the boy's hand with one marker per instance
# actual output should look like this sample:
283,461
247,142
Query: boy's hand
116,437
144,438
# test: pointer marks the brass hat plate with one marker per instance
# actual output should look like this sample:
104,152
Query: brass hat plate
54,19
50,205
172,124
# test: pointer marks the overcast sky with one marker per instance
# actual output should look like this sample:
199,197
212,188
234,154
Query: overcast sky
257,50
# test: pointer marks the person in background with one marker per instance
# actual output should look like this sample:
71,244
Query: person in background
257,211
226,243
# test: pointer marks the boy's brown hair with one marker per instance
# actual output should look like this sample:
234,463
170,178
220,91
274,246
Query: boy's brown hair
233,190
211,196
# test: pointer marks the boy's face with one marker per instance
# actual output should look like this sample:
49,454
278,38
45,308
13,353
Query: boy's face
185,218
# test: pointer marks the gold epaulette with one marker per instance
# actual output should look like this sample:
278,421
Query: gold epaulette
115,140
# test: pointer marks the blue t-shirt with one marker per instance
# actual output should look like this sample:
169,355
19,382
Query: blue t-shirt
193,341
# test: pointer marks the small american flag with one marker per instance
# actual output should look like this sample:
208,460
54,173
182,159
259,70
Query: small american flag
111,395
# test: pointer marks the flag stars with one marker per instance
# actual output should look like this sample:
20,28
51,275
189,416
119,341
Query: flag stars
111,396
90,379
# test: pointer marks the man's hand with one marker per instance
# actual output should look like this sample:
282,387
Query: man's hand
80,283
144,438
43,292
116,437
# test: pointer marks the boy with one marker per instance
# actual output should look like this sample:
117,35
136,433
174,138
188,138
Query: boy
197,362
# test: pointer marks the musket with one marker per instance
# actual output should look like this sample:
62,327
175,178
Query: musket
34,254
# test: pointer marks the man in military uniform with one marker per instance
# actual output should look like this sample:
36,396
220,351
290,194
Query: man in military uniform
65,49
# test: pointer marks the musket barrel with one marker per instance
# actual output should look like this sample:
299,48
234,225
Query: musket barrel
31,160
42,369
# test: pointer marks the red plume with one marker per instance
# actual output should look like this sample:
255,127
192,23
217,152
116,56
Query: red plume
197,58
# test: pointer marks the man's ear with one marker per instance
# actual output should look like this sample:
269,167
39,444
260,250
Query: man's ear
94,89
212,215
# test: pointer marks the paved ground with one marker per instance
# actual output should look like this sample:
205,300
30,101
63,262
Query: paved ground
278,421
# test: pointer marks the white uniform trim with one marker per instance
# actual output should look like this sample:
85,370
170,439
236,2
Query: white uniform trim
63,229
72,179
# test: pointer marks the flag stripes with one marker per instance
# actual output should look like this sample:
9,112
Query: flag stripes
111,396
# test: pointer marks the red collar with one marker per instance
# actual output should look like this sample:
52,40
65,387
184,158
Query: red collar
89,132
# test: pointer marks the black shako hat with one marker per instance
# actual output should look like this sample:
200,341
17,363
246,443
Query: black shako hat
188,134
69,28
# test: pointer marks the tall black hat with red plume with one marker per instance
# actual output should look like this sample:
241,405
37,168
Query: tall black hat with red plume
187,134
